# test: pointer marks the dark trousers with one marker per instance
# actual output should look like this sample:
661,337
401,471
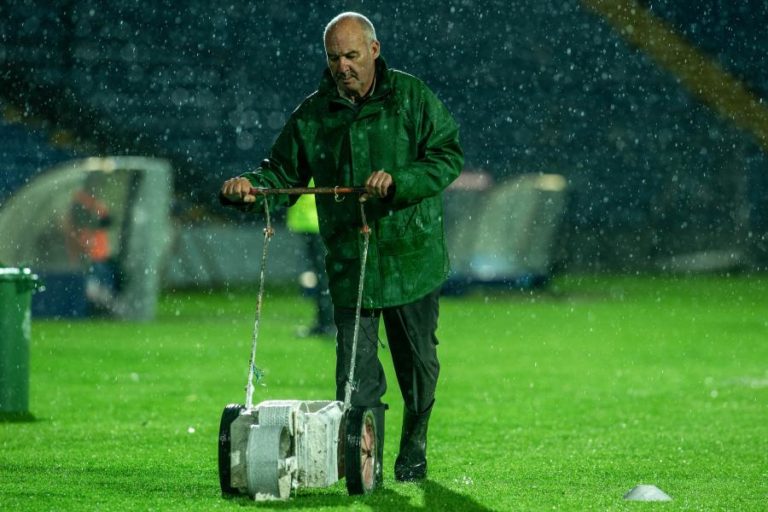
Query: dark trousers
411,336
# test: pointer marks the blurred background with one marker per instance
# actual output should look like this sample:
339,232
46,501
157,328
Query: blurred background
600,135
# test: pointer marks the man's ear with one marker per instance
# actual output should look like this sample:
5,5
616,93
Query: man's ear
375,49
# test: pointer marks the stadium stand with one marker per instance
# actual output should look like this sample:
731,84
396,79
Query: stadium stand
25,153
539,87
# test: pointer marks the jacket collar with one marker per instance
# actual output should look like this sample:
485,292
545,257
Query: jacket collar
383,86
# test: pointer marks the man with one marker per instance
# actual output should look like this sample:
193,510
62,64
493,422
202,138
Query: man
368,124
88,224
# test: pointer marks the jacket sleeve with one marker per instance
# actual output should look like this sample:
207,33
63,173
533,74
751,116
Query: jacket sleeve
286,167
440,157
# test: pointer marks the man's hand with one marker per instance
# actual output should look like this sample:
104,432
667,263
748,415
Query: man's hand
378,185
238,190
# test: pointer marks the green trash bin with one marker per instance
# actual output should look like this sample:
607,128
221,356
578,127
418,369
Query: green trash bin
16,287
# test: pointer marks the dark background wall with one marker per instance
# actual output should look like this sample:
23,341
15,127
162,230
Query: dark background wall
537,86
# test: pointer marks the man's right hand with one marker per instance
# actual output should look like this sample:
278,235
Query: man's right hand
238,190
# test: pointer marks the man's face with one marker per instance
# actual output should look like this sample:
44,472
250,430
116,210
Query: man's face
351,57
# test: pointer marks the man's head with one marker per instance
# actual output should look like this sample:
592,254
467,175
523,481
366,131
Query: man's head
351,49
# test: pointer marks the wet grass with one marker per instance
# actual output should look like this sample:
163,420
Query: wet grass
564,399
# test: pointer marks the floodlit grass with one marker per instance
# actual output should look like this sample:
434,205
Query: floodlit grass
557,400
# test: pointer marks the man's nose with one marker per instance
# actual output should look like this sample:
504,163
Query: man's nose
343,64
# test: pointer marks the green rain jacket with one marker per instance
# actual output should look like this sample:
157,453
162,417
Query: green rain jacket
401,128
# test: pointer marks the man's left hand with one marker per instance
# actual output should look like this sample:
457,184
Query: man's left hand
378,185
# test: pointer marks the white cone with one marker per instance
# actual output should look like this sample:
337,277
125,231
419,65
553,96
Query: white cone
647,493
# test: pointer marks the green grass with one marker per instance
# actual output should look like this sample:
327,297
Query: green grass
559,400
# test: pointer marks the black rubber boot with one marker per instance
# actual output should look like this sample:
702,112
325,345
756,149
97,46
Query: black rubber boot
411,462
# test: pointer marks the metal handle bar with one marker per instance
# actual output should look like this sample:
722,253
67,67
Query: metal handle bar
309,190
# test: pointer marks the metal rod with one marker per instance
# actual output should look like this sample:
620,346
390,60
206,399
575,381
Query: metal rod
268,232
308,190
366,231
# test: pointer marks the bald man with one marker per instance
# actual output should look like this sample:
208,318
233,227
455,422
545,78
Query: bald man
372,125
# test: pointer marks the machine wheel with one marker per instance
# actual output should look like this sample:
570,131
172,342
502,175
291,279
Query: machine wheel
230,414
362,462
270,465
